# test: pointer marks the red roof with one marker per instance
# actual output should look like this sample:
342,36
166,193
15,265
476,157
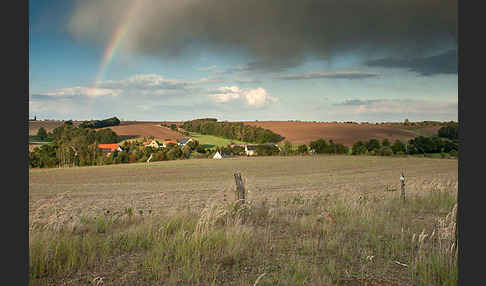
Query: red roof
172,141
108,146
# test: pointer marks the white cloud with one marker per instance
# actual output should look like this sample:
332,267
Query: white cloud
257,97
84,91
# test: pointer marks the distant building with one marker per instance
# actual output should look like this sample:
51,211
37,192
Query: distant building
250,150
220,155
108,148
169,142
184,141
151,143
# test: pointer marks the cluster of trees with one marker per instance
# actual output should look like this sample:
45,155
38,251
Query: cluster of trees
71,146
232,130
320,146
417,145
100,123
374,147
450,131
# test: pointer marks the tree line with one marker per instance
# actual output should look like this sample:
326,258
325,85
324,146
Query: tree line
71,146
113,121
232,130
76,146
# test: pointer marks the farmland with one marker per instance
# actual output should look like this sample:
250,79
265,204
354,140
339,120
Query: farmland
344,133
285,235
146,129
295,132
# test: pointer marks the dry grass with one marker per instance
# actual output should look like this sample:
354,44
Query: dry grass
331,222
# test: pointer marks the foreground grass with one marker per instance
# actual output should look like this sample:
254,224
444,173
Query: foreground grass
371,239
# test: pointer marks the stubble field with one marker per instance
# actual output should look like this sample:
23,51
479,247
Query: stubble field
170,185
310,220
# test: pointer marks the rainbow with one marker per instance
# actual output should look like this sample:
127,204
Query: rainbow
115,40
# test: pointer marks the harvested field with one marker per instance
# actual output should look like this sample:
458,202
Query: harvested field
313,220
169,185
344,133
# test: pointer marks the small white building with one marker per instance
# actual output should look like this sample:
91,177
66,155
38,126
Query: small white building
218,156
250,150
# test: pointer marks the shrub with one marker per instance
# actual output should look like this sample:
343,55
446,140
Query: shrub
386,151
319,146
302,149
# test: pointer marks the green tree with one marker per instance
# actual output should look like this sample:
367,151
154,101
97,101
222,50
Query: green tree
287,148
398,146
372,145
359,148
302,149
42,133
319,146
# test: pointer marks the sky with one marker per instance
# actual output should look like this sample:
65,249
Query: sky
308,60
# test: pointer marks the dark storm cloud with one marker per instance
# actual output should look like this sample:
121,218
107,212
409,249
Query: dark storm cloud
445,63
277,34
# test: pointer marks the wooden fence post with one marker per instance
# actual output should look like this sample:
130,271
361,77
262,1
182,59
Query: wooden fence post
240,188
402,180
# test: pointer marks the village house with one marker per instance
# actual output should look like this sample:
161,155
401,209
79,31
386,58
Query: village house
184,141
250,150
168,142
108,148
220,155
151,143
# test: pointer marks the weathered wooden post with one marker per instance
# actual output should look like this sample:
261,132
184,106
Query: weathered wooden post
240,188
402,180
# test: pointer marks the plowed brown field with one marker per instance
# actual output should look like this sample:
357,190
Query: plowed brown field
344,133
146,129
48,125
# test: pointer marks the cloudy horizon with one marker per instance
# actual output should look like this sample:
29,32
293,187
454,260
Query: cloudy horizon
306,60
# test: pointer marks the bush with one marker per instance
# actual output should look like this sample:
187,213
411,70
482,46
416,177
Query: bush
302,149
319,146
267,150
398,146
287,148
386,151
373,145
